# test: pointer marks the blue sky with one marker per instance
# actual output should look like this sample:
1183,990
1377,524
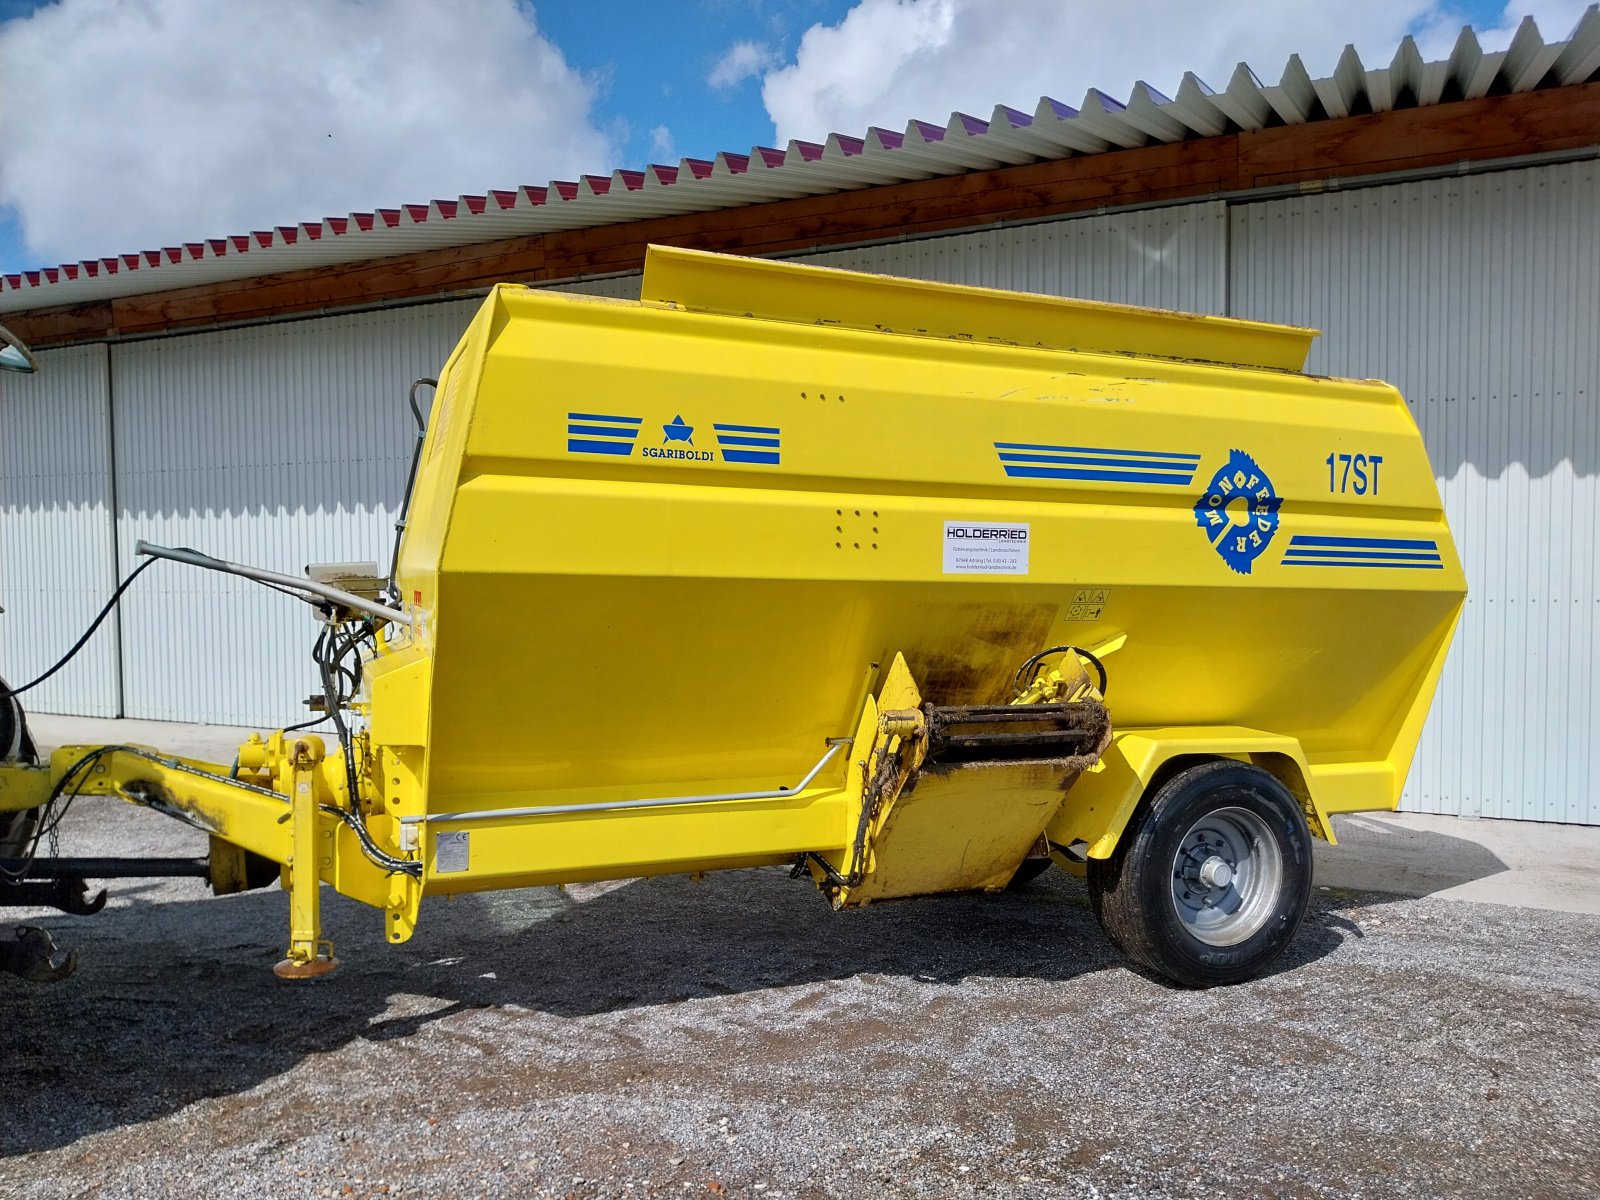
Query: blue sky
125,127
655,63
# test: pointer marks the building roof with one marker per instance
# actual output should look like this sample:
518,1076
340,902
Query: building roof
923,150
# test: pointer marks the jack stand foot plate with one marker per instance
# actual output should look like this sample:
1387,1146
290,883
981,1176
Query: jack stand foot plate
290,969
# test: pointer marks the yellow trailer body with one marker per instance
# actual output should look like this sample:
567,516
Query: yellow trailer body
698,581
668,546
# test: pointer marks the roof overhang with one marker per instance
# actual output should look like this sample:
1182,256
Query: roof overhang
1117,143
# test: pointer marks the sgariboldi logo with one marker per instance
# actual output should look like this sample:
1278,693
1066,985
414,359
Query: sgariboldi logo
677,430
737,445
1242,534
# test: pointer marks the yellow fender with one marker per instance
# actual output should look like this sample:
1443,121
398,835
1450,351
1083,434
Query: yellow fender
1105,798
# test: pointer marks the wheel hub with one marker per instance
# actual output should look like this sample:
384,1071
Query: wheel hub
1226,876
1216,872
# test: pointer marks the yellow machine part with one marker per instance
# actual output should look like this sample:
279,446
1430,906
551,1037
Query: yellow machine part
668,548
23,788
670,562
926,827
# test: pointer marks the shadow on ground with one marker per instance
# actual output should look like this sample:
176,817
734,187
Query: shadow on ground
1385,856
175,1001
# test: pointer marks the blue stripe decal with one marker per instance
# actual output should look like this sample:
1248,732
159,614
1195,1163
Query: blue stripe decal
1393,566
582,446
597,417
1371,555
749,445
1094,476
1096,450
1096,464
1306,539
1399,554
596,433
1084,460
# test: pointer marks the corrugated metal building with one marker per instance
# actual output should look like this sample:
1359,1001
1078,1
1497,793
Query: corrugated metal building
1440,221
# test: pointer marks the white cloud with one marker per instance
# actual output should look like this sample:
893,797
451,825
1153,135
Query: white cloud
892,60
662,147
130,124
1555,19
742,61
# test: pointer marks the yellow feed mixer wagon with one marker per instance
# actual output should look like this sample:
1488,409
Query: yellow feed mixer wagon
911,588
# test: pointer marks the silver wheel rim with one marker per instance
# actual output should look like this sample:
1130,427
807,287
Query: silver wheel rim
1226,876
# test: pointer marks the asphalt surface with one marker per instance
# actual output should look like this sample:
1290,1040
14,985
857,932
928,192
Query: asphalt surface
735,1037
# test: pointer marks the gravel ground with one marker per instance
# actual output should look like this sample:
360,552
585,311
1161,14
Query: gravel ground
735,1037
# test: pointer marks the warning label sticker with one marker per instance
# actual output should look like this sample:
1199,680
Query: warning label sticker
1088,604
985,548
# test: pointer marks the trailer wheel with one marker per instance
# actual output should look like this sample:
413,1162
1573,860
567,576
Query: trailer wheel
1211,882
16,833
16,744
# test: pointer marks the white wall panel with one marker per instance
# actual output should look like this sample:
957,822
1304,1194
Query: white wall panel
1479,297
56,567
1168,258
278,445
618,287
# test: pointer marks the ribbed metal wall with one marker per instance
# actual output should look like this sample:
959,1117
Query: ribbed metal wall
278,445
1168,258
56,567
1479,297
618,287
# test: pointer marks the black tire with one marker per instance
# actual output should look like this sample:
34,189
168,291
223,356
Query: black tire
1164,900
16,832
16,741
16,744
